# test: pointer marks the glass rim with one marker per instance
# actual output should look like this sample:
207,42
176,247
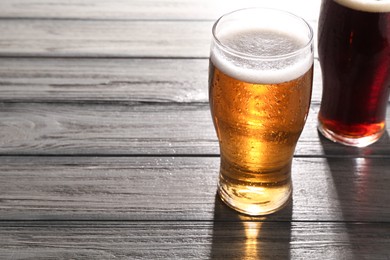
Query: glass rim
263,57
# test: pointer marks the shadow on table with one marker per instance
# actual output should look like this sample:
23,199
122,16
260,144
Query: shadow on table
237,236
361,180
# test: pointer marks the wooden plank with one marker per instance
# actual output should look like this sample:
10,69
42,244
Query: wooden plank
62,38
182,188
145,9
93,38
136,128
101,80
105,129
194,240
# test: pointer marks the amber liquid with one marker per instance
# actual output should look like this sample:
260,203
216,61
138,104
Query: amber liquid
258,126
354,51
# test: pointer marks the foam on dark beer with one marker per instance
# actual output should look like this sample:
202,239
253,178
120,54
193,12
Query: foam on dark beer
374,6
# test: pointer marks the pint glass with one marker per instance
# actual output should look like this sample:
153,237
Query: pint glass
354,52
260,81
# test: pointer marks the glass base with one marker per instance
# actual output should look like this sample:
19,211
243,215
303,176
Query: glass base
348,140
254,208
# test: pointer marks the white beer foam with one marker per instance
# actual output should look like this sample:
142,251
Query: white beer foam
373,6
258,66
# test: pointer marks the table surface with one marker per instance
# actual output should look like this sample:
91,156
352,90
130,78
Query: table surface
107,148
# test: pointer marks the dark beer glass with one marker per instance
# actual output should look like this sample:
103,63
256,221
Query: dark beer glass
260,81
354,52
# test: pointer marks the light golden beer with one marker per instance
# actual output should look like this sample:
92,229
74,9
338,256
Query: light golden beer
258,113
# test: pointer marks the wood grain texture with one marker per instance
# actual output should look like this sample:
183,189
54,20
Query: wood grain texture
194,240
111,80
75,38
93,38
182,188
145,9
100,80
137,128
107,148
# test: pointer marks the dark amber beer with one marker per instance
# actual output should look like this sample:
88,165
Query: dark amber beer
260,81
354,52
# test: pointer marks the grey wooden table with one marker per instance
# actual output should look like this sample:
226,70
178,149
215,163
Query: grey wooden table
107,148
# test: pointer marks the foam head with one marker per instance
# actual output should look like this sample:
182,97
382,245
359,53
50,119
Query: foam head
263,52
374,6
259,56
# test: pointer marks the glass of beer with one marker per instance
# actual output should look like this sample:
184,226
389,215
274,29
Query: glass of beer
354,52
260,82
